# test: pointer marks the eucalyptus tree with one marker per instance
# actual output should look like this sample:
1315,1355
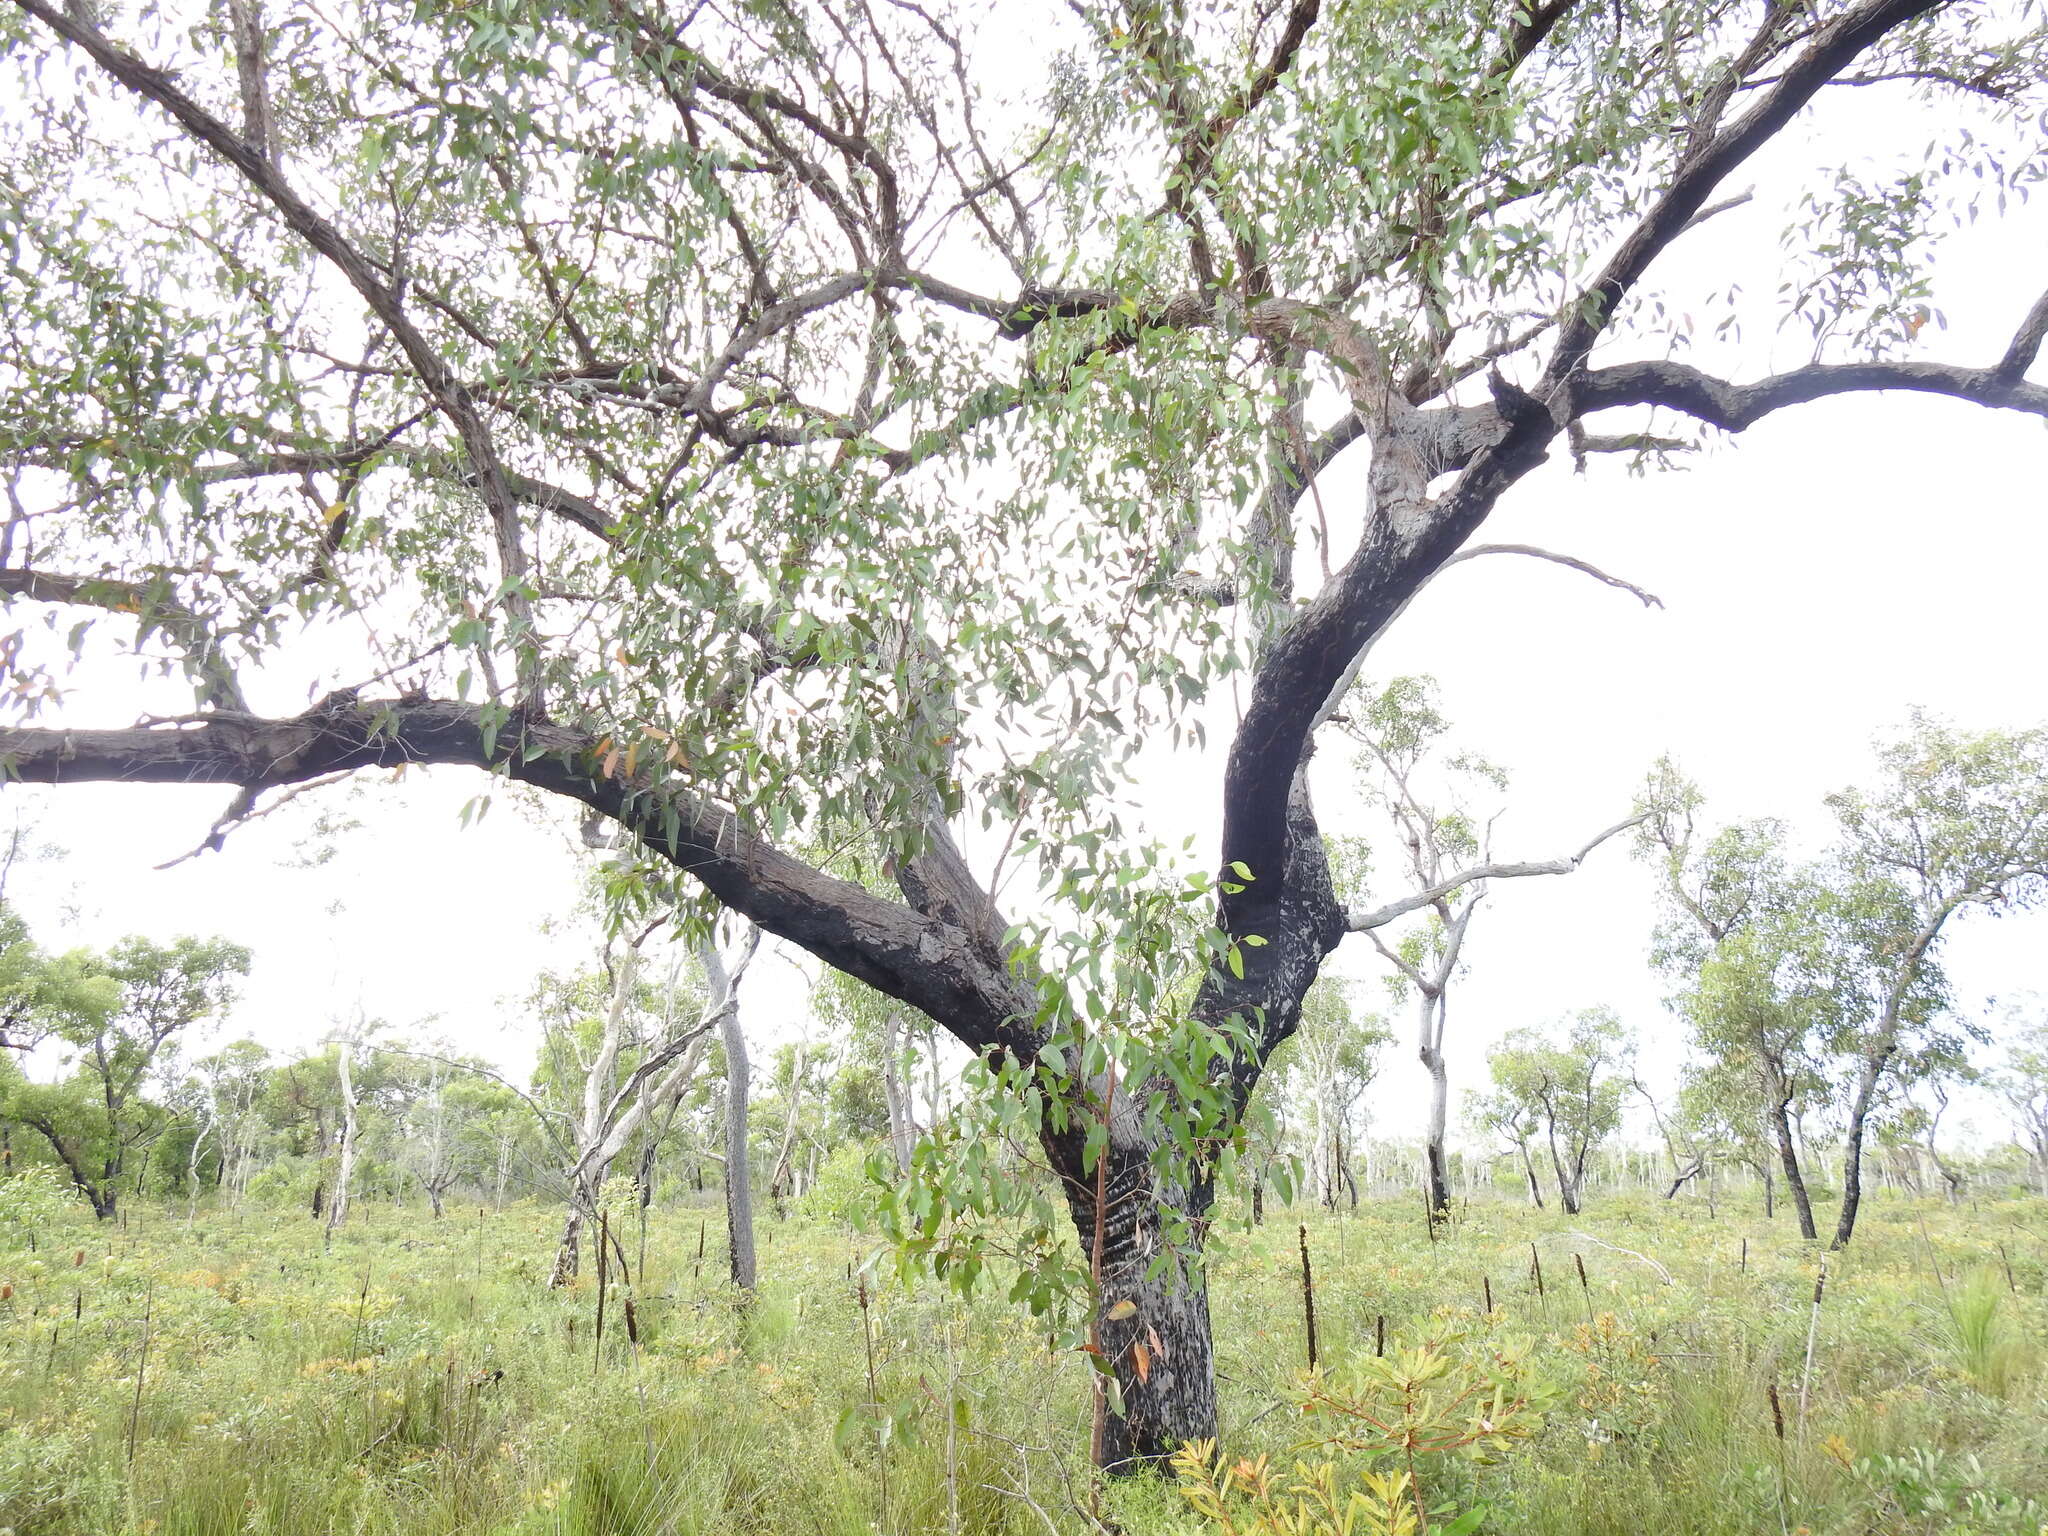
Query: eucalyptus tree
1509,1117
1741,935
1720,1113
1688,1159
617,1060
2023,1083
440,1116
229,1086
24,977
1568,1080
872,1024
346,1042
1429,794
731,416
117,1019
1335,1057
1956,823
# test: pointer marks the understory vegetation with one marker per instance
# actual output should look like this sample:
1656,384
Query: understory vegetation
1648,1366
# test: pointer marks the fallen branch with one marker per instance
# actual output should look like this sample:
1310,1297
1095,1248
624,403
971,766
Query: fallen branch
1641,1258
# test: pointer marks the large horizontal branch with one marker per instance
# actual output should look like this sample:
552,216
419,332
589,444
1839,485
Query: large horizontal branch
923,961
154,606
1364,920
1733,407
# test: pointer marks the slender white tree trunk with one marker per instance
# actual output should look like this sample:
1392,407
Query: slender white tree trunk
192,1159
337,1209
587,1174
739,1186
902,1133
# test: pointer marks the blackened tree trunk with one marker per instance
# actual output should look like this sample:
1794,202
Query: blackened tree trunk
1788,1160
99,1193
1867,1079
1567,1185
1529,1173
1159,1346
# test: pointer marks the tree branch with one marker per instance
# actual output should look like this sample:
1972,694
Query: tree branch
1363,920
1699,173
928,963
1734,407
448,391
1534,552
154,607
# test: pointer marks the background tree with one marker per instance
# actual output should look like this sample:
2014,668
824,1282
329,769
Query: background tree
1426,791
2023,1083
621,1072
1957,822
1335,1057
1509,1118
346,1043
1722,1110
871,1024
1570,1081
738,421
1741,935
739,1174
118,1017
1687,1158
230,1084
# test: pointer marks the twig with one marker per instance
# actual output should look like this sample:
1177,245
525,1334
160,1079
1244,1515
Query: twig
1641,1258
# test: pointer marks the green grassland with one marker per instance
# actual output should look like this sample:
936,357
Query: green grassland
228,1373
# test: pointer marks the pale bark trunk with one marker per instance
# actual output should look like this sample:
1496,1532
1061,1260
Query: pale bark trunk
587,1175
1436,1172
192,1167
780,1178
902,1133
739,1189
337,1209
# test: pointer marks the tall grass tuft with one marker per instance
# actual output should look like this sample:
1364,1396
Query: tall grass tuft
1986,1346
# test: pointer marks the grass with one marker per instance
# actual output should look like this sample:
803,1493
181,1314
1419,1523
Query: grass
417,1379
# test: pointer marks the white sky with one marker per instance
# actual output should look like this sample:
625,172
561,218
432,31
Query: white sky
1838,565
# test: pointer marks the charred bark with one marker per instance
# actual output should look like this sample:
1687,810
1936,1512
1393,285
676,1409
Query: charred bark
1153,1329
1788,1160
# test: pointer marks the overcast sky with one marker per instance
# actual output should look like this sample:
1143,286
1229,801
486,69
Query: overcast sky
1839,565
